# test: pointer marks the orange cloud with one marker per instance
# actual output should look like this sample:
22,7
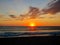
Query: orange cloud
1,15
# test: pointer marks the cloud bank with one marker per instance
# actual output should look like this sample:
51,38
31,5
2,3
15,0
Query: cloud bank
53,7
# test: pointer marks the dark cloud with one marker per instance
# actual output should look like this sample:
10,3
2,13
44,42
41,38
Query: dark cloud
33,12
53,7
12,16
22,17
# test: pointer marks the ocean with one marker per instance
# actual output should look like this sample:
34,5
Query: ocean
27,31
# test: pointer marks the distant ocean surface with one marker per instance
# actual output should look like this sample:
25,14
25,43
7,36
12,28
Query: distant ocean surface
23,31
27,28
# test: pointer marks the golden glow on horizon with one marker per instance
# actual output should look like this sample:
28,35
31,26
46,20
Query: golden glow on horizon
32,24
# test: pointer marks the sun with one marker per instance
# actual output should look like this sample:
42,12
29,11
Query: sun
32,24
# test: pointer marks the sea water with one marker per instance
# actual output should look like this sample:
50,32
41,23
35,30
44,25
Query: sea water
27,31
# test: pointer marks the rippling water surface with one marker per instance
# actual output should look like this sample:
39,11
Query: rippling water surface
27,31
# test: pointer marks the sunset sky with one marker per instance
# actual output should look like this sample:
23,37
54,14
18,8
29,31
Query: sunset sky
17,7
